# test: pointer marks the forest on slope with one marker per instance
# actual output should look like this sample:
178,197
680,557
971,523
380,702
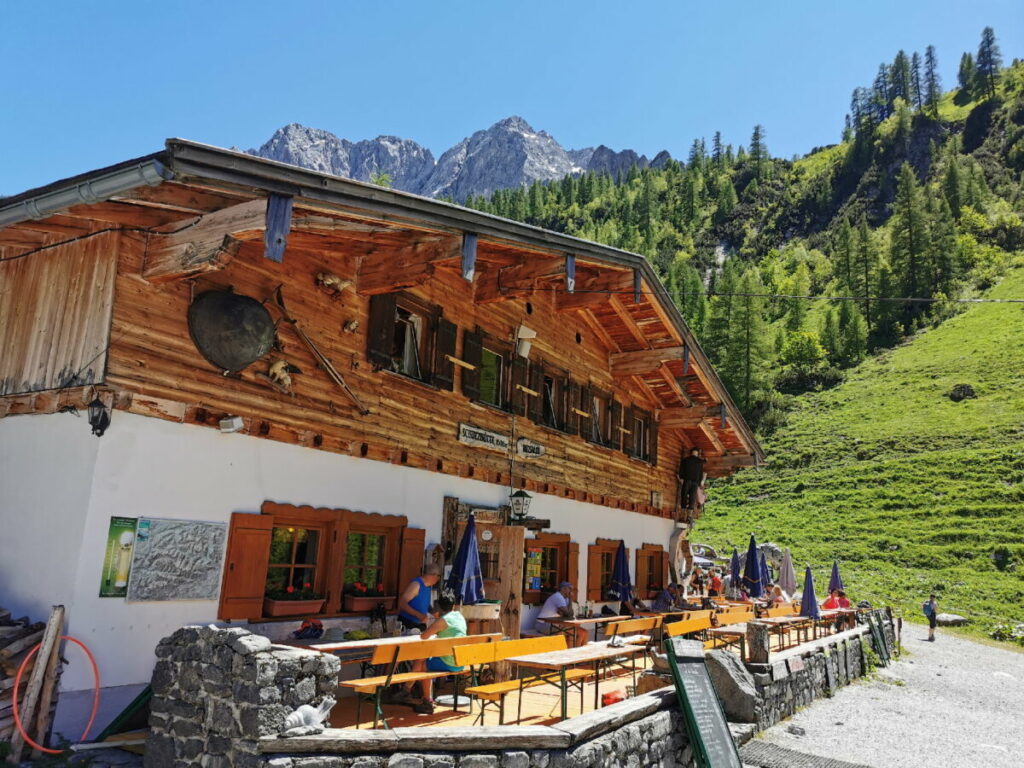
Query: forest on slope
922,199
917,210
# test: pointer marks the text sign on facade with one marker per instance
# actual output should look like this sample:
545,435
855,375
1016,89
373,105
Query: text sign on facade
527,449
482,438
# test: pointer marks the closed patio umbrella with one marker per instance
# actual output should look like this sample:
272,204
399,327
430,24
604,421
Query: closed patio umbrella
621,584
809,601
787,575
836,582
752,579
766,574
734,572
466,580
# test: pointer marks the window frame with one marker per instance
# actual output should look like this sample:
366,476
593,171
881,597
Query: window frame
596,554
504,351
431,314
641,443
566,549
655,562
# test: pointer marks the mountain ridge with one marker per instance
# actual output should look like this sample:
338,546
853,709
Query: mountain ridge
508,154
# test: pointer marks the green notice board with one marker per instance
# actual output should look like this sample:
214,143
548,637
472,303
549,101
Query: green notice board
706,725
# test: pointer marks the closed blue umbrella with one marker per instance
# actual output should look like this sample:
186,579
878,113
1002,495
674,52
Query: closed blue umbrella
836,582
734,570
809,601
752,580
766,574
466,580
621,584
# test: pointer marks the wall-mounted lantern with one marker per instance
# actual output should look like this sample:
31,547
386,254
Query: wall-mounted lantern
520,503
99,417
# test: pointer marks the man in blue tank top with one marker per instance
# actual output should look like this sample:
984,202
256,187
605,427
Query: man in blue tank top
414,603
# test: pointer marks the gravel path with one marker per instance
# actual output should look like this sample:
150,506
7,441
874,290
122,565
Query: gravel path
952,703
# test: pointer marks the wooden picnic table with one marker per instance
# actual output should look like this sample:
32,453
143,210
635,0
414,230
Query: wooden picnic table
591,653
565,626
355,651
783,624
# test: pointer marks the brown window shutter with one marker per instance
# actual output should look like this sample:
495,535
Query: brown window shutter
587,406
572,572
472,353
594,574
664,570
654,442
572,400
444,345
410,565
381,331
614,438
628,439
517,398
245,567
535,405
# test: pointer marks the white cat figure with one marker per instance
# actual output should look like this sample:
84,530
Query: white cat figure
308,720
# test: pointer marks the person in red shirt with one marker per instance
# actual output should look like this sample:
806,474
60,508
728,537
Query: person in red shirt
844,601
833,601
715,585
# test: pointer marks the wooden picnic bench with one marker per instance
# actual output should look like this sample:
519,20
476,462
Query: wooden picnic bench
393,654
476,656
645,629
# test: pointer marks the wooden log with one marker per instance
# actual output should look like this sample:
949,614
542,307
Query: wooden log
29,637
643,361
595,291
51,638
685,417
47,698
387,270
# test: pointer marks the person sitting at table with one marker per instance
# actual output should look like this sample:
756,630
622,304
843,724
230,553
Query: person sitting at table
844,601
446,622
666,599
559,605
714,584
631,607
414,602
833,601
777,596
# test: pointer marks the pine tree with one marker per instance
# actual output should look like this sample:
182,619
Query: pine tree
965,77
854,339
846,255
909,254
900,79
881,96
726,200
797,285
747,351
932,83
944,257
916,92
830,337
720,310
716,149
988,62
865,269
887,329
687,290
758,152
697,155
952,187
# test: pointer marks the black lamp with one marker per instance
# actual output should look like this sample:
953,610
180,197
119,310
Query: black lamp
99,417
520,503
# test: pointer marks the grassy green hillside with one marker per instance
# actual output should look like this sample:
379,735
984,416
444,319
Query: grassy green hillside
909,490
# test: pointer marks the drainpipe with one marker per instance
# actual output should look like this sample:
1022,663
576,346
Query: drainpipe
149,173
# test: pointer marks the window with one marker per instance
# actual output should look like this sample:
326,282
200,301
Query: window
600,566
289,546
553,401
651,570
293,559
599,418
551,558
365,559
407,349
492,369
408,336
642,441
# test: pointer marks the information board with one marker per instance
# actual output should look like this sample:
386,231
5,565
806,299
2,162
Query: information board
176,560
708,729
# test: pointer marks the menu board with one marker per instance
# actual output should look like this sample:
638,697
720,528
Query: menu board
706,724
534,559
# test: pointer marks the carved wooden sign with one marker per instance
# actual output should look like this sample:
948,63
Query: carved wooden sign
482,438
527,449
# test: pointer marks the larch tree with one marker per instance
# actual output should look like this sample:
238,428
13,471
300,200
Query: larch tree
865,268
910,247
916,91
900,79
747,349
966,75
988,62
716,149
846,255
932,82
758,152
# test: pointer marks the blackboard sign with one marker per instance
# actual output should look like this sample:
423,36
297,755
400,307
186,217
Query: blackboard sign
705,721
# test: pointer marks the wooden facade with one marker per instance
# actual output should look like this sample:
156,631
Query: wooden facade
605,335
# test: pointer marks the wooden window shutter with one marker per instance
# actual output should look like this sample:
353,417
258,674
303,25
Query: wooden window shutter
664,570
572,572
614,437
570,420
444,345
587,406
517,398
472,353
380,334
594,574
245,567
654,441
628,437
535,405
410,564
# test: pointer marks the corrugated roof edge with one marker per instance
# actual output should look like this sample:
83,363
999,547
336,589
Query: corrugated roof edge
189,158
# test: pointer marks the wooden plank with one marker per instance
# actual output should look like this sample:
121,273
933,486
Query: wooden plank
685,417
627,320
47,697
596,290
673,385
642,361
387,270
709,433
51,637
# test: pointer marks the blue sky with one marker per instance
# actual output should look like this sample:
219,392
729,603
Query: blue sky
87,84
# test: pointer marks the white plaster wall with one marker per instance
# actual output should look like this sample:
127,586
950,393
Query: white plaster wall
46,469
149,467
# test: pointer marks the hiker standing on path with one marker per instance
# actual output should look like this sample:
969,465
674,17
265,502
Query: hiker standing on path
931,610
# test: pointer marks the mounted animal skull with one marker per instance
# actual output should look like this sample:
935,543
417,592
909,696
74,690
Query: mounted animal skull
331,283
280,373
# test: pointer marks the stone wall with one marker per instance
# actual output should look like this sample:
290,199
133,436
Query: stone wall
217,691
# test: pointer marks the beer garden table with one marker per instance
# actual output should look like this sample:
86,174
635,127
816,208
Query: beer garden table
565,626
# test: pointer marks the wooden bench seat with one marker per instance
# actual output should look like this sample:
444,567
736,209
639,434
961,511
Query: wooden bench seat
476,656
646,628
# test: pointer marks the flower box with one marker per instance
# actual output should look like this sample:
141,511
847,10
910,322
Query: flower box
360,603
292,607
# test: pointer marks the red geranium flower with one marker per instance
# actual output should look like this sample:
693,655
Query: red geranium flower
380,587
307,585
290,588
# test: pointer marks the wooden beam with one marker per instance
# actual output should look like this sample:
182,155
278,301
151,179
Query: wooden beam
628,321
685,417
487,285
645,391
642,361
598,330
651,298
208,245
709,433
731,461
570,273
674,385
388,270
595,291
468,256
278,225
524,276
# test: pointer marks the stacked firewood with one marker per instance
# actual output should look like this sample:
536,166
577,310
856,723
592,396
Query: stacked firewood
37,693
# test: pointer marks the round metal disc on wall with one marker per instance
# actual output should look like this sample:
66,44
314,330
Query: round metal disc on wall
230,330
